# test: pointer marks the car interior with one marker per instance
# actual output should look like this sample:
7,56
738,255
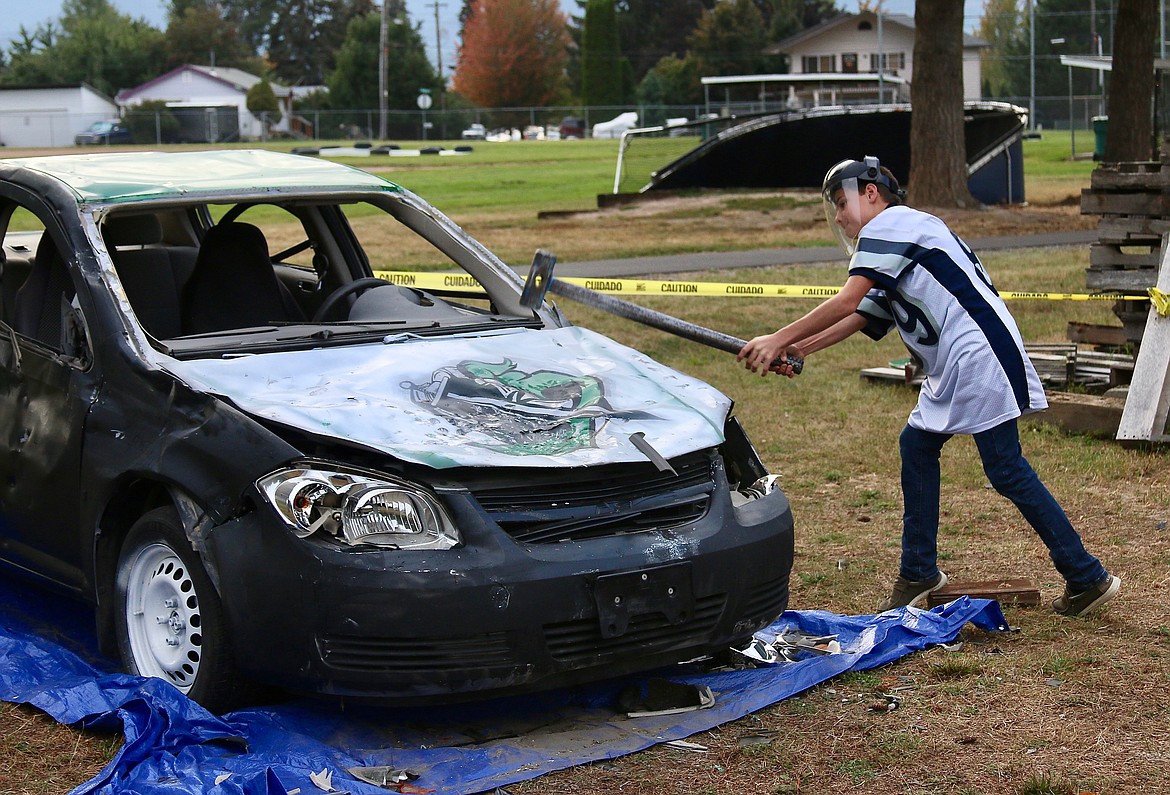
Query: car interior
194,273
175,281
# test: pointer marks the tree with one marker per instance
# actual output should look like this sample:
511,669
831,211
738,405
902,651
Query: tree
730,40
262,102
649,30
1001,27
94,44
354,83
601,61
790,17
513,54
1062,27
300,37
672,81
306,37
938,155
1131,88
199,31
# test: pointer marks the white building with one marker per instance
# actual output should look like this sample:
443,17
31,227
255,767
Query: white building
859,58
50,115
210,102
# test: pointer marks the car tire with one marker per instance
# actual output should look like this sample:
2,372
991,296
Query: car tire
169,621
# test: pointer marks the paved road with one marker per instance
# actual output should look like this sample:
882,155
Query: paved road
683,263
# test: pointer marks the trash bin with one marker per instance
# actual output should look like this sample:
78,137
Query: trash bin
1100,126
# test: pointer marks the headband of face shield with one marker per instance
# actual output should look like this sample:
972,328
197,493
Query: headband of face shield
841,193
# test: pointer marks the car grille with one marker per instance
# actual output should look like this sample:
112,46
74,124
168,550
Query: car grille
768,599
415,655
581,641
544,508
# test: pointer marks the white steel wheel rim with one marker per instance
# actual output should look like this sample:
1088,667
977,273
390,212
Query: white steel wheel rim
163,621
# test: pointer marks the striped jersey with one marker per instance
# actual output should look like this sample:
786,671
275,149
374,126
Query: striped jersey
931,286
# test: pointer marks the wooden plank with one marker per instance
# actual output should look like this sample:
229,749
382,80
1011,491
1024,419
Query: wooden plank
1105,255
1129,176
1124,230
1126,203
1096,334
895,375
1096,415
1148,403
1122,281
1023,592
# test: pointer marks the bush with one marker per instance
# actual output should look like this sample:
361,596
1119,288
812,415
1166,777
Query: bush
151,122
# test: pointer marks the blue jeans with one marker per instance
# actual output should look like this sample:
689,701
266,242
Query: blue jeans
1013,477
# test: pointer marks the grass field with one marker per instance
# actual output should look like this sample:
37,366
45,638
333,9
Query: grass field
1058,706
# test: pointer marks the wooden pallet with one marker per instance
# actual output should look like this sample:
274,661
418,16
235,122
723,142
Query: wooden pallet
1133,201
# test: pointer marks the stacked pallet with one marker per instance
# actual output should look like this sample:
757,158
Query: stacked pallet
1133,200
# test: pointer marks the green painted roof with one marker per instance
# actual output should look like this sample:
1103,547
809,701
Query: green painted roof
135,176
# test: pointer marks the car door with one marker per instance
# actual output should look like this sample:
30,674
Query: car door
44,395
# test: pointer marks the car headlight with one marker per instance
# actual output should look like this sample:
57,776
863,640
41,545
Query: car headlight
358,508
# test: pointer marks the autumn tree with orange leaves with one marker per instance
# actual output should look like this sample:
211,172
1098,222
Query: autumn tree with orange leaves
513,54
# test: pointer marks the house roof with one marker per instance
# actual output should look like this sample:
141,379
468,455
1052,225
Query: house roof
229,76
899,20
57,87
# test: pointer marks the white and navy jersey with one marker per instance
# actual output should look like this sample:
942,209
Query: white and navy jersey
935,290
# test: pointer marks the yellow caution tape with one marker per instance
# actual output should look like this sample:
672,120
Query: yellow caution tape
631,287
1160,300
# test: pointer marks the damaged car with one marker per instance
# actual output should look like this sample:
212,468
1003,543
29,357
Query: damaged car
259,461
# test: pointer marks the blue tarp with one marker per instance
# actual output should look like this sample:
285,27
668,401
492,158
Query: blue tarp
48,659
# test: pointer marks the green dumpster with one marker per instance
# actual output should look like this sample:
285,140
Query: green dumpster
1100,126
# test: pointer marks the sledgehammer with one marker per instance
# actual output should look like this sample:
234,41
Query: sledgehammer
541,282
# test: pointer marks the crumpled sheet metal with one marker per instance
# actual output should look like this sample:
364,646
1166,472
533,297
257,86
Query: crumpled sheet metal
173,746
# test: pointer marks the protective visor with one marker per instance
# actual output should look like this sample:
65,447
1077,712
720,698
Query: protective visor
842,201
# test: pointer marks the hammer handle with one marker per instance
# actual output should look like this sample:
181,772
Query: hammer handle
658,320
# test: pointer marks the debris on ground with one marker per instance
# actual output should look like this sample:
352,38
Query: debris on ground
664,697
790,646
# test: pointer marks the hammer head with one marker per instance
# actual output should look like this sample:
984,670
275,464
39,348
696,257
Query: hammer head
539,279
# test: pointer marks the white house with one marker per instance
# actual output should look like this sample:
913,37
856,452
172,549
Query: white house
50,115
210,102
860,57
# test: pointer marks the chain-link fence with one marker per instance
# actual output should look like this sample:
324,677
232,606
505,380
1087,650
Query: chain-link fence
222,124
229,124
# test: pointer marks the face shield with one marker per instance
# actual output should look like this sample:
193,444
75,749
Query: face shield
843,191
842,201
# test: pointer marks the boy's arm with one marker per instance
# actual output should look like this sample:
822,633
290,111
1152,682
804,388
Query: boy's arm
832,335
759,353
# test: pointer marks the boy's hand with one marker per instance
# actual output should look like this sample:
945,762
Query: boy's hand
764,354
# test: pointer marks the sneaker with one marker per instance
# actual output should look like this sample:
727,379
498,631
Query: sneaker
1070,604
907,592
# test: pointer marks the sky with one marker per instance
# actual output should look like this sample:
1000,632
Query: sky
32,14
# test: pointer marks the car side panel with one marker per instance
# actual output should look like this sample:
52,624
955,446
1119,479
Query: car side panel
43,405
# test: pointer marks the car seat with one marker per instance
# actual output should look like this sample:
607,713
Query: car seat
234,285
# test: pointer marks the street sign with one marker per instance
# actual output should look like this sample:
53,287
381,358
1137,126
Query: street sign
424,101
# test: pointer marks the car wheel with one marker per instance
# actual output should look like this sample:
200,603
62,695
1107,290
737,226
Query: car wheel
170,622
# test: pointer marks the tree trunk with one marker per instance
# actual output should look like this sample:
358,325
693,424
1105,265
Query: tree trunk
938,153
1131,86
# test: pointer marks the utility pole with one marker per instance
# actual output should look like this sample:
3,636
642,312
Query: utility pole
439,64
383,59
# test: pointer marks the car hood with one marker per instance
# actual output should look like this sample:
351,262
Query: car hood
549,398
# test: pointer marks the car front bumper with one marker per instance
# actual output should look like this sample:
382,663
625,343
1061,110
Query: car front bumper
496,616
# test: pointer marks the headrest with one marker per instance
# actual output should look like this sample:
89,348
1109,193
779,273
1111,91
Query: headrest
132,230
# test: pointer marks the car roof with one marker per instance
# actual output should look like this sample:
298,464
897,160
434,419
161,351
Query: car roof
136,176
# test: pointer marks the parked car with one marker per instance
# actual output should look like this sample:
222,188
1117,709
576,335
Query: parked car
257,460
616,126
474,132
572,127
103,132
